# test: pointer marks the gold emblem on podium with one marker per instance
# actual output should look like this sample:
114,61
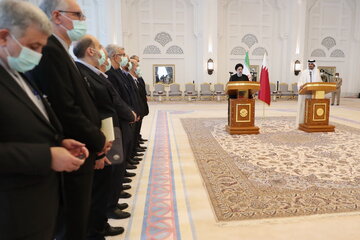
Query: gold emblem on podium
320,112
243,112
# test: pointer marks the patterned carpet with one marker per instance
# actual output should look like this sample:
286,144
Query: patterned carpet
281,172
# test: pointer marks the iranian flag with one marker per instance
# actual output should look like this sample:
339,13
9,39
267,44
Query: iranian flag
264,93
246,70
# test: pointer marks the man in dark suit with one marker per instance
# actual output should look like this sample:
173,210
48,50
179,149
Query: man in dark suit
91,56
71,98
122,85
30,155
143,97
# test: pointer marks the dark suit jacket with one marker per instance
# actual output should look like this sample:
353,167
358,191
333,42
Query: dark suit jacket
143,96
236,78
69,94
103,99
108,102
120,85
28,186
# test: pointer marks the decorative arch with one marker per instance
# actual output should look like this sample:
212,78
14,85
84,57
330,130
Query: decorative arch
318,53
174,50
152,49
259,51
337,53
238,51
163,38
328,42
249,40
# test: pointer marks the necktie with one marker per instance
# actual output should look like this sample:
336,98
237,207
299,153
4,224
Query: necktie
310,76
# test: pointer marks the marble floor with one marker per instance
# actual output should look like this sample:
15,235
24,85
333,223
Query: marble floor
169,198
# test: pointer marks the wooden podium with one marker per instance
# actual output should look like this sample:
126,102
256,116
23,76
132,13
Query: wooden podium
241,110
317,108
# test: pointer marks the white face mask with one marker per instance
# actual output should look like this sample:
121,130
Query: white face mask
108,66
26,61
79,30
124,61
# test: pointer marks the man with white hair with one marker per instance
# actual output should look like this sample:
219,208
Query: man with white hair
311,74
71,98
30,155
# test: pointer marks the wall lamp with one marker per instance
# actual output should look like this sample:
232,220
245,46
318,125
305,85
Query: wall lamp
297,67
210,66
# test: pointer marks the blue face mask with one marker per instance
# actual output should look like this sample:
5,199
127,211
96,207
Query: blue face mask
124,61
109,65
78,31
26,61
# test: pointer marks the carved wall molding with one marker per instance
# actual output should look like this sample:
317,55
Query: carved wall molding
152,49
328,42
249,40
238,51
259,51
174,50
163,38
318,53
337,53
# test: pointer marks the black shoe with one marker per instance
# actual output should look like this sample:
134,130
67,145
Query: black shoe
132,162
130,174
122,206
138,154
129,166
118,214
127,180
143,139
141,142
141,147
112,231
126,187
124,194
139,150
136,159
337,104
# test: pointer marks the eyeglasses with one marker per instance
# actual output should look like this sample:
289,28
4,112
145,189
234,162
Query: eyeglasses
80,15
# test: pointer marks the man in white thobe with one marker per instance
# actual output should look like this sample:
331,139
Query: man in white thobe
311,74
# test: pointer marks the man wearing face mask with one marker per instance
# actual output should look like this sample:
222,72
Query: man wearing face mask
29,156
124,84
143,97
135,73
70,96
91,57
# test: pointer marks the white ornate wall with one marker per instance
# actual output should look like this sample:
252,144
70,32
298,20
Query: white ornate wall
331,38
189,32
161,32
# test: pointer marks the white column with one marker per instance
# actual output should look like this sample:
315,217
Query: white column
207,40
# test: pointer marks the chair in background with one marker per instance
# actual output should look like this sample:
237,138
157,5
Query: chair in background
159,91
205,91
295,90
284,90
148,92
174,91
219,91
190,91
273,91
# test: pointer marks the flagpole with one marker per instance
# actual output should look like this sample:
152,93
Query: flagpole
263,111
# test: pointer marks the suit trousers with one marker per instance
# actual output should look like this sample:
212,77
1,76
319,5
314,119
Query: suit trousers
74,210
100,195
116,185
